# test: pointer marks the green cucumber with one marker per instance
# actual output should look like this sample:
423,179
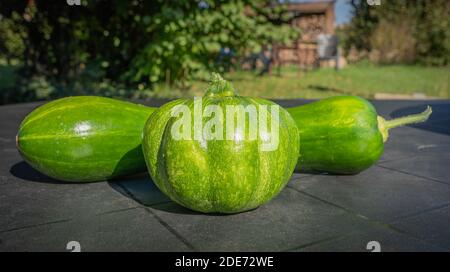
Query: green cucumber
84,138
343,134
225,175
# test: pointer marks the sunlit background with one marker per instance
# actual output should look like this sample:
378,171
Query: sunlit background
139,49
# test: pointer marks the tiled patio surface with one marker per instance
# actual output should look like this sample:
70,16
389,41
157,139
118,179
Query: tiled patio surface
403,202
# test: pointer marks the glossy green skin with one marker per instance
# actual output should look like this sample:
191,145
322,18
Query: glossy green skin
84,138
338,135
223,176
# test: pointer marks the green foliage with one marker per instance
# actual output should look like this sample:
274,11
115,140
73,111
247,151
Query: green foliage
132,44
188,38
433,32
361,27
12,36
401,31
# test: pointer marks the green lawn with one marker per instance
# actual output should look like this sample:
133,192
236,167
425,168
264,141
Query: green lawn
363,80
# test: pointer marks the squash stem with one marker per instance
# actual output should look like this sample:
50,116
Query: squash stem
219,87
385,125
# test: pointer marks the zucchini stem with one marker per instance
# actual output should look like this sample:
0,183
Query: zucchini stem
385,125
410,119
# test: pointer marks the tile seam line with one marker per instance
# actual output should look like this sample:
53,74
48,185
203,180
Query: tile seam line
66,220
379,162
347,235
317,242
396,219
413,175
371,221
170,229
436,208
129,194
119,210
351,212
35,225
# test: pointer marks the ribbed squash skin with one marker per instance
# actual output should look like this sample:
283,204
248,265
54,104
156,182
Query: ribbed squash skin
84,138
338,135
223,176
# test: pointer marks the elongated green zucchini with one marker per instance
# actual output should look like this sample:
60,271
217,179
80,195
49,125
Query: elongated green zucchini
343,134
84,138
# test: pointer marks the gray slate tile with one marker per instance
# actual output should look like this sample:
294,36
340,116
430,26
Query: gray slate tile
430,161
432,226
399,145
129,230
408,142
388,239
27,202
39,213
290,220
10,159
377,193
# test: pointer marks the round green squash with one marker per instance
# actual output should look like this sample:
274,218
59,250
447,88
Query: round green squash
84,138
343,134
226,175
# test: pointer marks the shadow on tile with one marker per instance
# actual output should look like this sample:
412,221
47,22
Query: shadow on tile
308,172
141,189
302,173
23,170
174,208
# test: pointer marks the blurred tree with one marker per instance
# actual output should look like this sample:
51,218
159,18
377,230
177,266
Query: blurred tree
361,26
433,32
136,43
12,36
401,31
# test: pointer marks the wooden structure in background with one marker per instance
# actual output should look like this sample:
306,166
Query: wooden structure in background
313,18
